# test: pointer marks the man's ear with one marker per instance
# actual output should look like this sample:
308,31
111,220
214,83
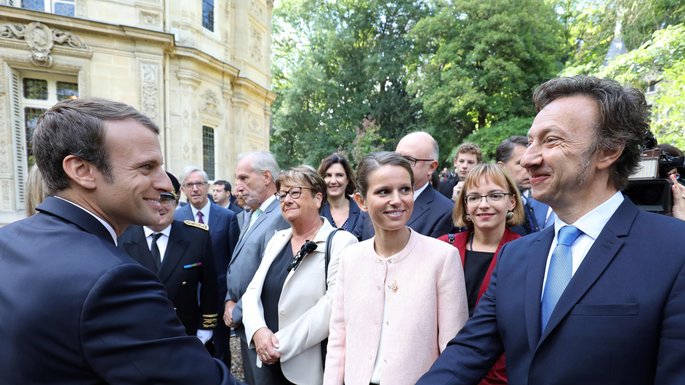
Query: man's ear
80,172
607,157
434,166
361,202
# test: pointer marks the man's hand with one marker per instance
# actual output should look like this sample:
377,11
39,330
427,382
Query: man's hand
266,344
228,314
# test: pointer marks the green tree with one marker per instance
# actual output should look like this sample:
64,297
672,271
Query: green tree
476,63
659,65
488,139
337,63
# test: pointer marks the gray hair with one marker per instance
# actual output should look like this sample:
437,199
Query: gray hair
192,169
262,161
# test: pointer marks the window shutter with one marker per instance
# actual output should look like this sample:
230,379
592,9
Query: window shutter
19,140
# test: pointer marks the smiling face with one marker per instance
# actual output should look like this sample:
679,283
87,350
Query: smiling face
563,171
486,213
303,208
336,181
389,198
131,195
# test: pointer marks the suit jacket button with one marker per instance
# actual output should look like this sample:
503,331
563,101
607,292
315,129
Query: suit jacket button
184,283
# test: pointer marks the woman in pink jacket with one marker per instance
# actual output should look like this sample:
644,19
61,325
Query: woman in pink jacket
400,295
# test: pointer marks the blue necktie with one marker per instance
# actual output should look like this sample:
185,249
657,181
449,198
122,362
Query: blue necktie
560,271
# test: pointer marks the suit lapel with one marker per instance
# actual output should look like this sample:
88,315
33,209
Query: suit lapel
245,232
600,255
137,249
421,205
175,249
537,261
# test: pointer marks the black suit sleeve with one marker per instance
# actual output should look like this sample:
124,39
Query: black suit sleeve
233,234
131,335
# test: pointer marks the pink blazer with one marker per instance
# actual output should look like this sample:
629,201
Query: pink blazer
422,293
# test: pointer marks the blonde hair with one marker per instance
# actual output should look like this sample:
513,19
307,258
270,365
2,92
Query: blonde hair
494,174
36,190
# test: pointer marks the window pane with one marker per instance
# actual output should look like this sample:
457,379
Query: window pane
208,14
64,8
208,151
36,5
30,119
36,89
67,90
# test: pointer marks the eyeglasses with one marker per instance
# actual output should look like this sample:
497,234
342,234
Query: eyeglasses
413,160
473,199
294,192
192,185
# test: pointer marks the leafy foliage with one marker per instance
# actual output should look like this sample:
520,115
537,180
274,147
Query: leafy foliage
488,139
476,63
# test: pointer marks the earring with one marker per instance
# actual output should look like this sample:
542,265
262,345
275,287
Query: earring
510,214
467,217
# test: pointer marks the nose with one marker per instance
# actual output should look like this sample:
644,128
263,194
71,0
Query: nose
161,181
531,157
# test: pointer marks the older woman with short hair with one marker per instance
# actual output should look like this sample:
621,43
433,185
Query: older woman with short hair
287,305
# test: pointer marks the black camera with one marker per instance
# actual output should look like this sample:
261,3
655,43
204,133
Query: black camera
650,186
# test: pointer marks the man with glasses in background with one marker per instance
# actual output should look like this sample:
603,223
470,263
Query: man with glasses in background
224,231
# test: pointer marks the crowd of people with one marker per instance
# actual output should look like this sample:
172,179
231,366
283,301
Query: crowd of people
533,269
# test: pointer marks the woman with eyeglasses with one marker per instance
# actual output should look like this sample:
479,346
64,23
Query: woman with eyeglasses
339,208
400,295
287,305
488,205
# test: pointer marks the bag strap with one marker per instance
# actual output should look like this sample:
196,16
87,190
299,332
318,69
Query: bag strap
329,242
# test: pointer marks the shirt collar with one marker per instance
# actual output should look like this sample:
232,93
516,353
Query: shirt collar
266,203
148,231
109,227
204,210
592,223
419,191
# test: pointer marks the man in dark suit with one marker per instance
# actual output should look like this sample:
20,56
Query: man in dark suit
255,175
221,193
180,253
598,297
75,308
224,231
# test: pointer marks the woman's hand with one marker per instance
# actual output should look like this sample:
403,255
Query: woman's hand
266,345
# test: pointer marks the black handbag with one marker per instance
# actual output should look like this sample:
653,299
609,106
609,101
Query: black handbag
327,258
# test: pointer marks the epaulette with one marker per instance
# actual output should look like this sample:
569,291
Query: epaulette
209,320
202,226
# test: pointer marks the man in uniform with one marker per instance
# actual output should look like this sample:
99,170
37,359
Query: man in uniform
224,231
180,253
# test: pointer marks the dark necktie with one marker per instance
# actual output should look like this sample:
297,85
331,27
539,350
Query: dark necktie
199,217
560,271
154,250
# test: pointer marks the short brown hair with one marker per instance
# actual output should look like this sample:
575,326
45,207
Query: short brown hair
76,127
469,148
623,118
494,174
376,160
304,176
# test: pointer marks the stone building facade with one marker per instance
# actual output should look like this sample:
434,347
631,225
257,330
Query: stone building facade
199,68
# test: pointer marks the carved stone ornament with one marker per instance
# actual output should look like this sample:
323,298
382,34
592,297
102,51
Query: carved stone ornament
40,39
211,104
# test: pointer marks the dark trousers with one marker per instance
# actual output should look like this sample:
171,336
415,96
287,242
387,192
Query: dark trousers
220,341
249,356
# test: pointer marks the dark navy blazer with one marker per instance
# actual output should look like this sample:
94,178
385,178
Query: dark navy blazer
75,309
621,319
